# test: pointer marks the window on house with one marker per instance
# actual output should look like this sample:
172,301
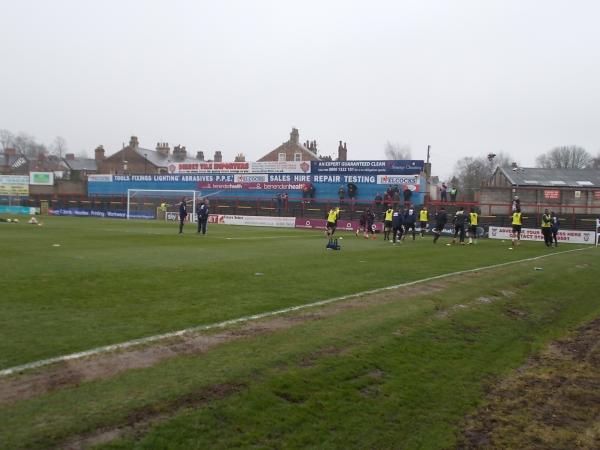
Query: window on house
281,157
297,156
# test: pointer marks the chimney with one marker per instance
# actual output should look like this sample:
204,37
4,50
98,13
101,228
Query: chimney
218,156
240,158
294,136
200,156
10,151
163,148
70,156
99,153
133,142
179,153
342,152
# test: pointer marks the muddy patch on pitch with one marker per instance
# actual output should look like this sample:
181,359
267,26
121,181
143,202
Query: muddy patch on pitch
553,401
140,421
71,373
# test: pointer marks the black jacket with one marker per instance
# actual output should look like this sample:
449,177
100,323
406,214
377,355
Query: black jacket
460,219
182,209
441,218
203,212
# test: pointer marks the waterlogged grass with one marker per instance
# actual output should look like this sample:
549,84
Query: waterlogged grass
78,283
399,374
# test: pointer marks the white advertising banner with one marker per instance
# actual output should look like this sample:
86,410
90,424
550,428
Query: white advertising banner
241,167
250,178
535,234
41,178
259,221
280,167
252,221
107,178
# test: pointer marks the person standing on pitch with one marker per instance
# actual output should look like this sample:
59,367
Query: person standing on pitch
182,214
441,218
397,221
387,223
459,226
555,227
202,214
473,219
410,219
516,227
547,228
423,218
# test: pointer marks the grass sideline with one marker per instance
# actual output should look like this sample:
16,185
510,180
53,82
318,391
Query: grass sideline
398,373
111,281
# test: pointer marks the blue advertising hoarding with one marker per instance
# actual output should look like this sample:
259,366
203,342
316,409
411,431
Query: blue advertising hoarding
369,177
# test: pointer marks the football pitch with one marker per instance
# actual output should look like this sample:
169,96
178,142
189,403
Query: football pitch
373,368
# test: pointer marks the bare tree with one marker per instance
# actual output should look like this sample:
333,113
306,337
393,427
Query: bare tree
565,157
27,145
6,139
471,172
394,150
595,162
59,146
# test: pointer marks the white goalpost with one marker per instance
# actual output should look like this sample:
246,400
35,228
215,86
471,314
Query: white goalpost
172,197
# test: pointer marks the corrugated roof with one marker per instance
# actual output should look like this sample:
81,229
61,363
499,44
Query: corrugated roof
580,178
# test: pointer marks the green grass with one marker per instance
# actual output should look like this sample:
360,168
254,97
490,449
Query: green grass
111,281
402,375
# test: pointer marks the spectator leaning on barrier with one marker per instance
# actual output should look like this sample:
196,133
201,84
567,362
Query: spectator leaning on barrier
453,193
444,192
341,194
378,201
407,194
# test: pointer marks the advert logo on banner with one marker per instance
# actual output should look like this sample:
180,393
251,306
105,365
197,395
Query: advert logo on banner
250,178
223,167
411,181
552,194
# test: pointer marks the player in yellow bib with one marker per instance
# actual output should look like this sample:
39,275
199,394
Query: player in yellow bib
516,226
387,223
332,218
547,228
423,219
473,222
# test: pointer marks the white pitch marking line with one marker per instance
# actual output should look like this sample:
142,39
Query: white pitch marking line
159,337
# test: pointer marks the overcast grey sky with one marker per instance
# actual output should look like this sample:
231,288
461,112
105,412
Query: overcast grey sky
465,76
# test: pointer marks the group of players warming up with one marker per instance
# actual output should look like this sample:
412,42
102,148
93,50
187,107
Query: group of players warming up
397,224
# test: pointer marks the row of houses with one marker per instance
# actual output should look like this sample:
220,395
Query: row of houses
133,158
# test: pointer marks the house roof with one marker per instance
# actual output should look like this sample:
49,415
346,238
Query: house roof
81,164
13,161
577,178
160,160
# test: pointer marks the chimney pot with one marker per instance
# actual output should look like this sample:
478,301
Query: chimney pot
218,156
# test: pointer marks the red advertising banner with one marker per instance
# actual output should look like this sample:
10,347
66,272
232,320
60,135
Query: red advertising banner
552,194
268,186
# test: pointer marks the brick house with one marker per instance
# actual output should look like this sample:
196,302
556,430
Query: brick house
292,150
139,160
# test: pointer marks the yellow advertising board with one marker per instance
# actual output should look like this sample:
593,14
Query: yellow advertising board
14,185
